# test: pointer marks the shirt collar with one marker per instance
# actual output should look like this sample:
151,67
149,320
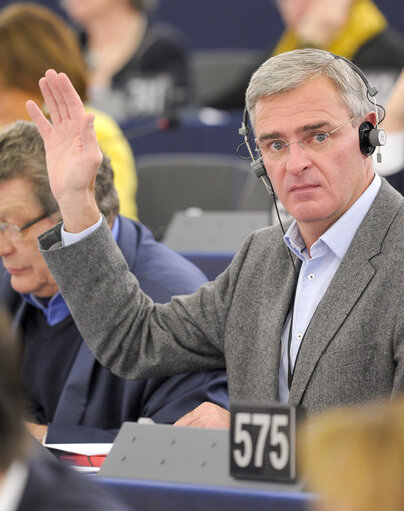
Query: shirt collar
55,309
339,236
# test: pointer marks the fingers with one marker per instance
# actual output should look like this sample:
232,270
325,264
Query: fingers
62,100
38,118
71,97
50,84
49,98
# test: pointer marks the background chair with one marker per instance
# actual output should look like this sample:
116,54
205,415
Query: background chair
178,181
255,197
215,71
210,239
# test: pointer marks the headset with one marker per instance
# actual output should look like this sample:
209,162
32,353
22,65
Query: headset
370,136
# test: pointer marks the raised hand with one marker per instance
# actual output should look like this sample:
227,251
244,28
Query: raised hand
73,155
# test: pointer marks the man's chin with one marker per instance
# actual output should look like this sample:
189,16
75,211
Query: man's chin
19,286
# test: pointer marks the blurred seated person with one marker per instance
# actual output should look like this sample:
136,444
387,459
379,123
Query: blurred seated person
71,397
31,479
354,29
139,67
354,457
392,164
33,38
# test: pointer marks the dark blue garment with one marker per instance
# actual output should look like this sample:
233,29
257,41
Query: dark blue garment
82,401
53,486
397,180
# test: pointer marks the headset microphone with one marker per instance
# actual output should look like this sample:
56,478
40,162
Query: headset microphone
257,165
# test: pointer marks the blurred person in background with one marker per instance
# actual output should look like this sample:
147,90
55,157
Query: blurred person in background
32,39
71,397
31,479
353,457
354,29
138,67
392,165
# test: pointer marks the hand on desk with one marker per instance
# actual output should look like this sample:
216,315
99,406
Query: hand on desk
206,415
73,154
37,430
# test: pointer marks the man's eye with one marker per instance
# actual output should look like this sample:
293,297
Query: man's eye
319,137
276,146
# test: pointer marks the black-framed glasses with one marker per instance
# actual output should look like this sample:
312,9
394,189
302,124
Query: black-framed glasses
13,232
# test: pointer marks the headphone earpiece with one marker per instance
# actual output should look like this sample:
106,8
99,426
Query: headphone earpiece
370,137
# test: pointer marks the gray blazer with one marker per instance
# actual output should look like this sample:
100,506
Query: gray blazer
353,349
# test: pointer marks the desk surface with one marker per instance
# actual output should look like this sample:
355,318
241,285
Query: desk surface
144,495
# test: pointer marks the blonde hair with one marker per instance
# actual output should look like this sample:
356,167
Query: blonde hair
354,457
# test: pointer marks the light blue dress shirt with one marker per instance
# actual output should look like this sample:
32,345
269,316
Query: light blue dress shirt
316,274
55,309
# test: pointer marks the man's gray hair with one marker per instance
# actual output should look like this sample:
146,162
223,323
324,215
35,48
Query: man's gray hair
22,155
290,70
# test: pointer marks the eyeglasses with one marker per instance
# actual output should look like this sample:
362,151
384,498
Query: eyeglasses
13,232
313,140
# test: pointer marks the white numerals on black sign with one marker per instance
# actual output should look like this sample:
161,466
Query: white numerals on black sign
263,442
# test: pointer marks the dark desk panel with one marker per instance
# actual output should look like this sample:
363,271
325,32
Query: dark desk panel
162,496
191,135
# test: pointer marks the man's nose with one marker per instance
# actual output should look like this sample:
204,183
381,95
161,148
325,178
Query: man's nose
297,160
6,246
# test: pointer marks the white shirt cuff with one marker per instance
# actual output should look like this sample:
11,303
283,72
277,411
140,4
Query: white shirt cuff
68,238
392,154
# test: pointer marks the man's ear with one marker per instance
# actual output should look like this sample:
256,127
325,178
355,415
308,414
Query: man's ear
371,117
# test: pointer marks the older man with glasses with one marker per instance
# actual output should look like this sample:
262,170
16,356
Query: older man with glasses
71,398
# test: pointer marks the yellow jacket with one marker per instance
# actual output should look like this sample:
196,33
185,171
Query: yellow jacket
114,144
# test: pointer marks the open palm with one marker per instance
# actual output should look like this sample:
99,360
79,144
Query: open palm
72,151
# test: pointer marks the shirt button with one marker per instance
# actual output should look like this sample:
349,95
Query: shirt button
311,276
299,337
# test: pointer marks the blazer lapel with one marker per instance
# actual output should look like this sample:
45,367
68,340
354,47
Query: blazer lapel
127,231
349,283
278,281
73,400
338,301
273,323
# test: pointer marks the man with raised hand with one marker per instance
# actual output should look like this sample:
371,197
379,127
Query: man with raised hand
324,331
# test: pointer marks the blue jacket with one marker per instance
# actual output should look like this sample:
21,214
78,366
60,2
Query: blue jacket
94,402
52,485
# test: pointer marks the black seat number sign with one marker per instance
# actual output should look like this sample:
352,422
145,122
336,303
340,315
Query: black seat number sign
262,442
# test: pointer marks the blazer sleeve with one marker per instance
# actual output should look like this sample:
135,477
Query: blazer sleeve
126,331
